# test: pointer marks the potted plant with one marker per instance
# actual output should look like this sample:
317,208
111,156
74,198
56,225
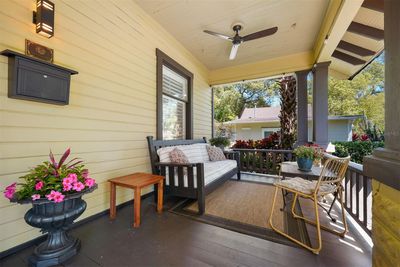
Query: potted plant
220,142
55,191
306,155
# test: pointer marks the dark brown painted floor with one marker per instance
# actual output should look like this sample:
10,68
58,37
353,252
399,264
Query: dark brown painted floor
170,240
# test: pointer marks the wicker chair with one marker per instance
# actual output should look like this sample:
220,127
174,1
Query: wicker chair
329,182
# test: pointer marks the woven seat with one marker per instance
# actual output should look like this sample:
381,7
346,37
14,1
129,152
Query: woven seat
306,186
329,182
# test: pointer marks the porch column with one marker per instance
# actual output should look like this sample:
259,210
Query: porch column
302,107
320,104
384,164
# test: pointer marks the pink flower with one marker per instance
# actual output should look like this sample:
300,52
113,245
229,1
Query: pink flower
55,196
78,186
89,182
67,180
67,187
59,198
73,177
35,197
39,185
51,195
10,190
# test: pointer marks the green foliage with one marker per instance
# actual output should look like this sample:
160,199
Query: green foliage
304,152
364,95
230,100
356,150
220,141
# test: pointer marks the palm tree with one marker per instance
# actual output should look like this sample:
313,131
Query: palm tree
288,111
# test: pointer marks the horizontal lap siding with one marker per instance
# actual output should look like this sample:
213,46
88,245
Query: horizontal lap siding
112,102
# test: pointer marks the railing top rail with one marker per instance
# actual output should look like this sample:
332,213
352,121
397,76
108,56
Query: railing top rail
263,150
356,167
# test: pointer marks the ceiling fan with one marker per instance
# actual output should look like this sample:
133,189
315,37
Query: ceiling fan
237,40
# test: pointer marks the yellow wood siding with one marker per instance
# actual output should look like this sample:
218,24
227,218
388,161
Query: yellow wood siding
112,102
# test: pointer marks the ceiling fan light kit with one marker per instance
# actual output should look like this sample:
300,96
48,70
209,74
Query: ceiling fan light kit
237,40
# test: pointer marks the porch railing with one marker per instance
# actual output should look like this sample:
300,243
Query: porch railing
264,161
357,187
358,197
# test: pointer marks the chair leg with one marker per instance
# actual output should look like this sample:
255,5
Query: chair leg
317,224
314,250
341,234
294,205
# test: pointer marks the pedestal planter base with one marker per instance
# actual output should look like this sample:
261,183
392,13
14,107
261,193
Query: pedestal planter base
56,258
55,219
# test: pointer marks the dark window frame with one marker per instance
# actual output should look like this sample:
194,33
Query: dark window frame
164,59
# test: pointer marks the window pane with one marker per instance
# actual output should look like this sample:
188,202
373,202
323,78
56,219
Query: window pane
173,118
174,84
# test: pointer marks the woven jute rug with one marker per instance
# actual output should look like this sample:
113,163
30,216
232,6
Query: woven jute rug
245,207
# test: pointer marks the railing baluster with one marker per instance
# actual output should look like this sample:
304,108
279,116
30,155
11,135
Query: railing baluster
351,192
357,195
365,201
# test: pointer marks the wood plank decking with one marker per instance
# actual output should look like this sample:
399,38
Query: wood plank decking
170,240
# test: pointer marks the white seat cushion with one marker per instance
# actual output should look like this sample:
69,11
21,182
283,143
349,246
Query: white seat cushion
212,171
196,153
306,186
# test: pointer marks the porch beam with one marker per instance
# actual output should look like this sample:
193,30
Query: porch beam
302,107
262,69
366,31
320,104
355,49
348,58
377,5
337,19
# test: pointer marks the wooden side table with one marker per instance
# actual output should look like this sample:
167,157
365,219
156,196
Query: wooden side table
136,181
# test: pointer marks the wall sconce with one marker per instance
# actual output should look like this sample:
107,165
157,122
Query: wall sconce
43,17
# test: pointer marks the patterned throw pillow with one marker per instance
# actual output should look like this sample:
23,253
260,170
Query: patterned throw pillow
177,156
215,153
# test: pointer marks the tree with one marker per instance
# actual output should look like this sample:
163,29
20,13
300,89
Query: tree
230,100
287,116
364,95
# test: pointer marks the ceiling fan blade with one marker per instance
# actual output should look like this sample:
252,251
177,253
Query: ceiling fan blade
260,34
220,35
234,50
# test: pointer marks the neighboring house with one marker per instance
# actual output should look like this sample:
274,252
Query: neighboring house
258,123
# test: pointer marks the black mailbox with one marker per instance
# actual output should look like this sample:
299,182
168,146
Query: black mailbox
37,80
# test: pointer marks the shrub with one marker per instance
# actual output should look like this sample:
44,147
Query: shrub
220,141
356,149
270,142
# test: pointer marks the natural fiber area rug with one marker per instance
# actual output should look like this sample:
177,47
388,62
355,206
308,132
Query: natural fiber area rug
245,207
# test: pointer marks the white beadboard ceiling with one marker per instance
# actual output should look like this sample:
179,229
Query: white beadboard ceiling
299,22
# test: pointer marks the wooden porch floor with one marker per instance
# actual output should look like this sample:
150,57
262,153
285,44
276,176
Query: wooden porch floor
171,240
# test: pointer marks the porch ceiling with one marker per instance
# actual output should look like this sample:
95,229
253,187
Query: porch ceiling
298,21
298,44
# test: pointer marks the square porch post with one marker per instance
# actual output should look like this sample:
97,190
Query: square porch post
302,107
320,104
384,164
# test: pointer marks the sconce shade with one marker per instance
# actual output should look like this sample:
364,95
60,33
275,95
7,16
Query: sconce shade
44,19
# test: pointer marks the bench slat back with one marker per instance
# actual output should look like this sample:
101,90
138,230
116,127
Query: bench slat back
154,145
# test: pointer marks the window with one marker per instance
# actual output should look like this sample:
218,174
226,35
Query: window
174,99
268,131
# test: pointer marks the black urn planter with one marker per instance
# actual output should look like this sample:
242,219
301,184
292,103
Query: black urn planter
55,219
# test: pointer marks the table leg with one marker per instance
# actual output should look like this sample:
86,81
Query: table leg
113,208
160,192
136,207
